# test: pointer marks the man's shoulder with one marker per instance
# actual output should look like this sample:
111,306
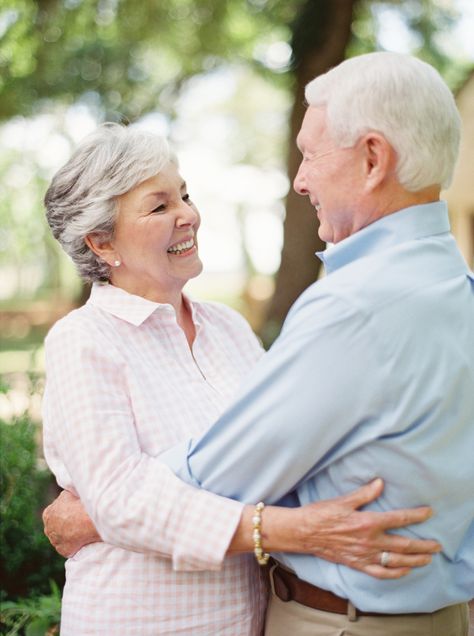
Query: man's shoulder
402,283
395,274
324,311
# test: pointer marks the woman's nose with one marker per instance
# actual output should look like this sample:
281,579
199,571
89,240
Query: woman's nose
187,215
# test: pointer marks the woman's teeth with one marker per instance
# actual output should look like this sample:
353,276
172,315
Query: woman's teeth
179,248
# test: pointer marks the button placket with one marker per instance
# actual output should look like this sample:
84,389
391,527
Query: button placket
181,346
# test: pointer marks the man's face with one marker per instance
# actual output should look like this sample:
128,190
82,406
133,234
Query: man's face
331,176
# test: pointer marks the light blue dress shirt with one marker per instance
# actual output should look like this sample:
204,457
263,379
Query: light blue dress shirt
372,375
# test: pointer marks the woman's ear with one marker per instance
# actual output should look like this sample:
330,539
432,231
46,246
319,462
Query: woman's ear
103,247
379,159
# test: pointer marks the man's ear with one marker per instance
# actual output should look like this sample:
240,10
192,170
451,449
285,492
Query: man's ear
102,246
379,159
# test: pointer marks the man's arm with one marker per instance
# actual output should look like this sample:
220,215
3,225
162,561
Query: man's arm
310,400
294,393
333,530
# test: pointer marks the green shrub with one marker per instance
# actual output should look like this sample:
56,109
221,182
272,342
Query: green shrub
38,616
27,561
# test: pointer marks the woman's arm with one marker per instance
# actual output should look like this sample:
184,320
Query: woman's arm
333,530
91,444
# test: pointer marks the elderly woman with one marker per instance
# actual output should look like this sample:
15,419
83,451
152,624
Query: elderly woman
139,368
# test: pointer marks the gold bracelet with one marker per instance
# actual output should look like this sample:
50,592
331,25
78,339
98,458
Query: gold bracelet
261,556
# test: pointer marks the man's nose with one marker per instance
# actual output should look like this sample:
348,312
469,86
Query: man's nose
299,183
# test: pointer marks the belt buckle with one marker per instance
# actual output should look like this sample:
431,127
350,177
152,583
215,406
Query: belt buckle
278,586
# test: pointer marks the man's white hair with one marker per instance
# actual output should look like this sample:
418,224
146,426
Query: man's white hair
405,100
81,199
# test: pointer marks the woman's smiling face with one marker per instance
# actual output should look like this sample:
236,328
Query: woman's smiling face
155,237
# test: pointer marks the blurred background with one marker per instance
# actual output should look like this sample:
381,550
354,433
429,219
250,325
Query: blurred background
224,80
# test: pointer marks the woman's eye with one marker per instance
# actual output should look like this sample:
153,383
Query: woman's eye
158,209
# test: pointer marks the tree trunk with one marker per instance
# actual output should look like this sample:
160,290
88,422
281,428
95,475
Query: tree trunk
321,33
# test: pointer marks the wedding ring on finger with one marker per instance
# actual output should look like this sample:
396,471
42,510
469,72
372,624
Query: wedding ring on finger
384,559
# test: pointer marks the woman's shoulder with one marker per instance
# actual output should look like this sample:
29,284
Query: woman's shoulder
84,321
84,334
218,311
230,322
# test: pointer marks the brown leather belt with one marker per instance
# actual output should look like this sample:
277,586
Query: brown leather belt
288,587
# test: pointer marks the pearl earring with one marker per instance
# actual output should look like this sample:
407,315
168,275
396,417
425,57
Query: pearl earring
117,263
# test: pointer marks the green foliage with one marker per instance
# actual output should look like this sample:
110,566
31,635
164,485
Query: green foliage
119,59
37,616
21,190
123,60
27,561
427,21
118,56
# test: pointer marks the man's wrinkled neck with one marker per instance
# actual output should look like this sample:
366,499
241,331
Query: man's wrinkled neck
388,203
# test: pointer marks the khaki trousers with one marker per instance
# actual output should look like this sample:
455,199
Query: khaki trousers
294,619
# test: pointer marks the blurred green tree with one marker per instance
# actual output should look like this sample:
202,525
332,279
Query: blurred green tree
119,56
343,28
121,59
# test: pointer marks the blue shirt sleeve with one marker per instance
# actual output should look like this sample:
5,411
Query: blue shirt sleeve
306,395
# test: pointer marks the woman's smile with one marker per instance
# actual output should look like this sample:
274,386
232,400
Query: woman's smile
155,238
183,248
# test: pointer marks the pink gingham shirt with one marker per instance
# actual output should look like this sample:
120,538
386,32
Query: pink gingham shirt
122,386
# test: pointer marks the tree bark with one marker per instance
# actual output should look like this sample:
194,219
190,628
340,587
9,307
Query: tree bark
321,33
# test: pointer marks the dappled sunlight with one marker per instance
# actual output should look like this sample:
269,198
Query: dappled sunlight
21,395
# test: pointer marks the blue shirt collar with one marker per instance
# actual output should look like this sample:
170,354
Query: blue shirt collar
409,224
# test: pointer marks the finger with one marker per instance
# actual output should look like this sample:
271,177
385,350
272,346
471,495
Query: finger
407,560
385,573
406,517
398,544
365,494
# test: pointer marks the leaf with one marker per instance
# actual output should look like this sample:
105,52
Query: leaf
38,627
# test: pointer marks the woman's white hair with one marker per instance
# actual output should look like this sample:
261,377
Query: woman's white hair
81,199
405,100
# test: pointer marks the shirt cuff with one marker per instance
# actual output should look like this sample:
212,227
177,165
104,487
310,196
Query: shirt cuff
205,527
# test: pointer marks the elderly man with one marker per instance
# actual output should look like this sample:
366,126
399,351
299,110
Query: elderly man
373,373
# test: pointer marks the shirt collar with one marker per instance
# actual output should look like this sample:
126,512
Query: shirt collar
411,223
121,304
